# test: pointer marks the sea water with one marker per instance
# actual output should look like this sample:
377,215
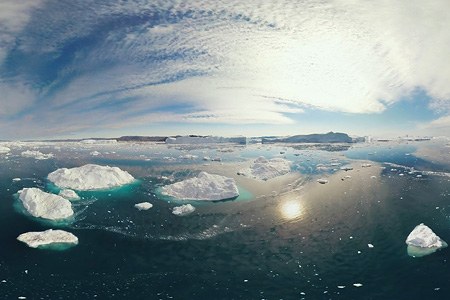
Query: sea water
305,240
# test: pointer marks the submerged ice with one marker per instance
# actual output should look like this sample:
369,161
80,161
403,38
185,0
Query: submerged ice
90,177
44,205
47,237
203,187
423,241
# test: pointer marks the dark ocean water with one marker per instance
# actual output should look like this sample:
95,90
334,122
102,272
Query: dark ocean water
310,244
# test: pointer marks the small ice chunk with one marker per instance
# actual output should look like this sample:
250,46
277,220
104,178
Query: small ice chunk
90,177
36,155
322,180
143,205
373,177
341,286
16,179
47,237
370,245
346,168
203,187
44,205
95,153
4,149
357,285
423,241
69,194
183,210
366,165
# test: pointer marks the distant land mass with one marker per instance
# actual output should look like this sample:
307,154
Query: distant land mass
330,137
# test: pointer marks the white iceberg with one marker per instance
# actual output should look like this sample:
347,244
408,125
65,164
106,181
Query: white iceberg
423,241
44,205
183,210
4,149
203,187
36,154
265,169
69,194
90,177
47,237
143,205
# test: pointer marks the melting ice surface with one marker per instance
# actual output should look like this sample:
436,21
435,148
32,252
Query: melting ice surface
292,238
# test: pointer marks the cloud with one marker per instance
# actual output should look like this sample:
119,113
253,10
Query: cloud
254,62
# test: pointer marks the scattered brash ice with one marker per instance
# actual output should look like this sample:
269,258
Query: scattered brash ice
44,205
47,237
183,210
90,177
423,241
203,187
265,169
69,194
143,205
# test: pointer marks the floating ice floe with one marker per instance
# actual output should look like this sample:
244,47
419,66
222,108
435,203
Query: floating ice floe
47,237
203,187
36,154
346,168
16,179
90,177
69,194
265,169
95,153
4,149
44,205
183,210
322,180
143,205
423,241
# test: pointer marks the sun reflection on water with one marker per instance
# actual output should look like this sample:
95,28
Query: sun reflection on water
291,209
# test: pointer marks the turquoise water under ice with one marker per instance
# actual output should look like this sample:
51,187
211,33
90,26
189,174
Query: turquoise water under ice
290,246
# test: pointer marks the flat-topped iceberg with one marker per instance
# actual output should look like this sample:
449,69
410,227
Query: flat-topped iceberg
36,154
203,187
47,237
423,241
69,194
143,205
90,177
183,210
44,205
265,169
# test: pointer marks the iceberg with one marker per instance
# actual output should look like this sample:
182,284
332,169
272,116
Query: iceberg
47,237
36,154
183,210
423,241
265,169
4,149
44,205
143,205
203,187
90,177
69,194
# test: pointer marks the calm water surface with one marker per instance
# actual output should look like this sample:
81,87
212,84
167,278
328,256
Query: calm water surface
309,241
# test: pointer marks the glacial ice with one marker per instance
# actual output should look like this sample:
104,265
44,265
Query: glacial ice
69,194
4,149
47,237
423,241
143,205
183,210
44,205
203,187
90,177
36,154
265,169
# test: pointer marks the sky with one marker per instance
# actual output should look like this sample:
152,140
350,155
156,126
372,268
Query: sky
86,68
